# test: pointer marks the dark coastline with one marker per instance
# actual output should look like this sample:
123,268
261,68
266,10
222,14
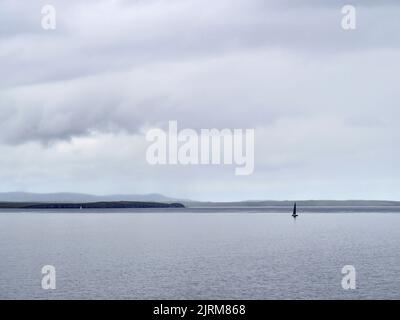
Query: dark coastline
88,205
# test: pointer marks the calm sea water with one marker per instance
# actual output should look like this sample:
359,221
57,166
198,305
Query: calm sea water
211,254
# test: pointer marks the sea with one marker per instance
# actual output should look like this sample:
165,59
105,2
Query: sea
201,253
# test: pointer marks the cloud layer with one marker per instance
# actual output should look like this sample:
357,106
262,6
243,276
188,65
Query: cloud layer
75,102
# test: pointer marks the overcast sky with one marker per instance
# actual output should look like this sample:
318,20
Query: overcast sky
75,102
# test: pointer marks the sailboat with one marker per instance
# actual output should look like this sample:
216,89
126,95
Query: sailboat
294,214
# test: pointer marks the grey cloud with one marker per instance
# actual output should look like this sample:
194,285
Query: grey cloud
248,89
77,99
95,37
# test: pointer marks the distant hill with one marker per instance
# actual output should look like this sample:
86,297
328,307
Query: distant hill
81,197
289,203
67,197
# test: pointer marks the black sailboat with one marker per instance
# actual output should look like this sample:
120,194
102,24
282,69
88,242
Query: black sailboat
294,214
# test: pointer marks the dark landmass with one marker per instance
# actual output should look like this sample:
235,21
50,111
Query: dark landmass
76,200
89,205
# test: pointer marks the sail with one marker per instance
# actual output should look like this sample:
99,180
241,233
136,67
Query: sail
294,210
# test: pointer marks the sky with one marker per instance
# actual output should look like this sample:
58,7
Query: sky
76,102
